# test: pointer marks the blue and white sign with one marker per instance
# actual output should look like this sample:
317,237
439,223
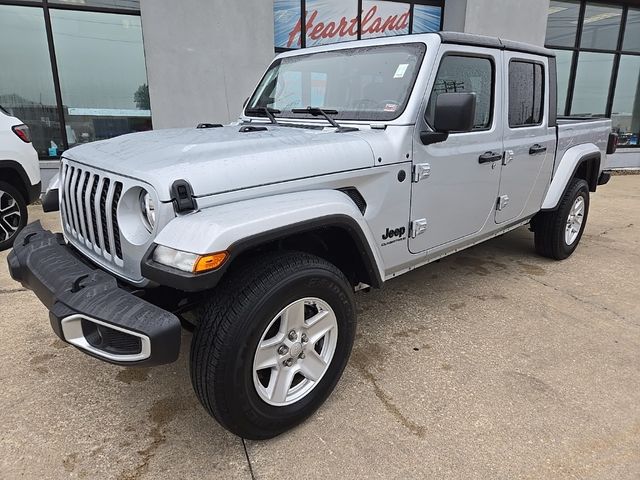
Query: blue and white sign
426,18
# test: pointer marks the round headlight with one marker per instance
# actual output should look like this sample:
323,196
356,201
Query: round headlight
148,210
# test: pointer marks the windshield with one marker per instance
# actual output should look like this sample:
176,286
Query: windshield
366,83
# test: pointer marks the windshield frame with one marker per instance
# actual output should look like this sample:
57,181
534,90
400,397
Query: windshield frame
421,50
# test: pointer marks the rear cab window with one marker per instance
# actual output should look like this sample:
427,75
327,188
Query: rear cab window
526,93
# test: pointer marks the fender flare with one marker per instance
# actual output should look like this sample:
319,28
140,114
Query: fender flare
240,226
568,166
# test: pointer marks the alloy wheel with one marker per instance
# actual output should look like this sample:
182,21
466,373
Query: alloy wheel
574,221
9,216
295,351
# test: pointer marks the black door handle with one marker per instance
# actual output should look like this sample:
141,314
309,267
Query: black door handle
537,148
489,157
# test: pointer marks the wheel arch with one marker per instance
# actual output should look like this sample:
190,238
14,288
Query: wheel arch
582,161
13,173
326,223
336,238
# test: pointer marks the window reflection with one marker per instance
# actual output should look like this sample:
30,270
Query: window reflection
601,27
625,115
563,66
102,74
122,4
592,83
632,31
26,81
562,23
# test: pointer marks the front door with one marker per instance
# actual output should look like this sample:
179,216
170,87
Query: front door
529,142
458,197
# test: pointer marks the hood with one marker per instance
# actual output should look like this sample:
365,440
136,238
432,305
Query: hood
216,160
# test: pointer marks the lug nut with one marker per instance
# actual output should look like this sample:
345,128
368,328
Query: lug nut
288,362
293,335
301,356
283,350
304,337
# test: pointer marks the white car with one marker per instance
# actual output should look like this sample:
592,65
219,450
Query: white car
19,177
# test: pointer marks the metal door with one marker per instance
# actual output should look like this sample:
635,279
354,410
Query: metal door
528,140
456,181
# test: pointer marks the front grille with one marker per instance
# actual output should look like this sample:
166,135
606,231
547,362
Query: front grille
89,206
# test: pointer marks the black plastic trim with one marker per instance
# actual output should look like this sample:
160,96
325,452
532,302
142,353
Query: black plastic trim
182,196
196,282
50,201
66,285
604,178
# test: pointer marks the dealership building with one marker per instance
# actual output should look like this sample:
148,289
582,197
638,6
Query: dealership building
76,71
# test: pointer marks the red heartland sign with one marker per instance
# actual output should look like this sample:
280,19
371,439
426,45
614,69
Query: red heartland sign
372,24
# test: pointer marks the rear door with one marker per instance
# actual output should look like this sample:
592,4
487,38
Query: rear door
529,142
457,197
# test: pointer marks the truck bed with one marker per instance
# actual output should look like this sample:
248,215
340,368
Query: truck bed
579,130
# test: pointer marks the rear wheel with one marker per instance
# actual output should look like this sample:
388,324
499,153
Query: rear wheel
558,233
273,343
13,214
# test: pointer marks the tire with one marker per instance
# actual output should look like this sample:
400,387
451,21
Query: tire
250,309
550,228
13,214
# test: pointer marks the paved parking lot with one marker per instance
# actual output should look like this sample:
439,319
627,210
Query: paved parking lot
493,363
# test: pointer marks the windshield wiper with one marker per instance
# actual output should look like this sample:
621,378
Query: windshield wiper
319,112
269,112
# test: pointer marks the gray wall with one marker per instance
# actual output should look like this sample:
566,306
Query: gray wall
204,57
521,20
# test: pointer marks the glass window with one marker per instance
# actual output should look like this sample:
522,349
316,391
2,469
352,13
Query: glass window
102,74
26,79
625,115
592,83
562,23
465,74
426,18
632,31
123,4
384,19
526,93
372,83
601,26
330,21
563,67
287,23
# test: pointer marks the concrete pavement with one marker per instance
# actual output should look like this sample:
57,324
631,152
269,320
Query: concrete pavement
492,363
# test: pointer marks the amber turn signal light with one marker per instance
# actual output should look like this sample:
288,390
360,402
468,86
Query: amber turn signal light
204,263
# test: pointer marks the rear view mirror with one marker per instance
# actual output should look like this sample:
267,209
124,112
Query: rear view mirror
454,113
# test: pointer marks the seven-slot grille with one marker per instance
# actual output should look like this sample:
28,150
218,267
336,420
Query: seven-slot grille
89,205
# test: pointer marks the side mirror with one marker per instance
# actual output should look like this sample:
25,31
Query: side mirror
454,112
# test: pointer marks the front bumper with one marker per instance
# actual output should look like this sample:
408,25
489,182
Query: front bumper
86,306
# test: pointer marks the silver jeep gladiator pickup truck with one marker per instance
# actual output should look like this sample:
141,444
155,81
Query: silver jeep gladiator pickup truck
351,164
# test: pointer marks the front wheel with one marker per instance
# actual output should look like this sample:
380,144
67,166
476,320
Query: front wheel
272,344
557,233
